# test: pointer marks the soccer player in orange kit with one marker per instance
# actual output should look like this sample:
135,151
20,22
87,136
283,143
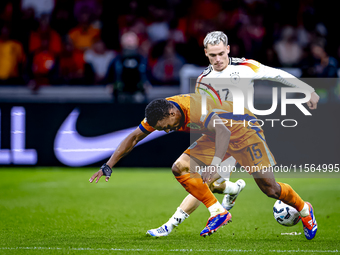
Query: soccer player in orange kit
221,139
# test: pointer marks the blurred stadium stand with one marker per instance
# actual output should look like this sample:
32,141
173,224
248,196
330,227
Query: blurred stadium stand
78,42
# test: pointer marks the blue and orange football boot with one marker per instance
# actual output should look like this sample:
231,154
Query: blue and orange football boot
215,223
309,223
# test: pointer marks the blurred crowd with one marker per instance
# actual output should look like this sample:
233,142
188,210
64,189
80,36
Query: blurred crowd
134,43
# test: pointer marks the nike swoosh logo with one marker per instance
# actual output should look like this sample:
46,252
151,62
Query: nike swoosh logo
72,149
258,163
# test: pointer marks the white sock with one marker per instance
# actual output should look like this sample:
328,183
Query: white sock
176,219
305,211
215,209
230,188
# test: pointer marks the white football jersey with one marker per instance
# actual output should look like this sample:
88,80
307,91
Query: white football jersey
241,73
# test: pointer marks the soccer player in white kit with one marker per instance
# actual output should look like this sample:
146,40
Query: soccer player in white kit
242,73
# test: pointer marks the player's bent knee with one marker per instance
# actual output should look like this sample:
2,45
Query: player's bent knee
175,170
179,168
272,192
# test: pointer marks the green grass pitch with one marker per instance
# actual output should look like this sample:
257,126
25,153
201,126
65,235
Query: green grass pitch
57,211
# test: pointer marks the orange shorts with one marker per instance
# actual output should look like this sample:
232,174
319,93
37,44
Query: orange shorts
252,158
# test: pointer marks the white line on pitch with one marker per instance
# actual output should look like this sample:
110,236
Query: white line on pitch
171,250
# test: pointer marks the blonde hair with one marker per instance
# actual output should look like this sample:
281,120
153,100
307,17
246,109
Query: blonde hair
215,38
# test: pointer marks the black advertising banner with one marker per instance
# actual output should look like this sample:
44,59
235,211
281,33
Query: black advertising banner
80,135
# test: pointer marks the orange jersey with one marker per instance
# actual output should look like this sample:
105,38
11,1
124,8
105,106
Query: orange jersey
242,127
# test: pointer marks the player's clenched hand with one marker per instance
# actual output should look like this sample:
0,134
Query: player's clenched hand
208,173
104,170
313,102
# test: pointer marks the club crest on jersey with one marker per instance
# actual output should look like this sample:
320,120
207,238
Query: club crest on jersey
235,77
193,126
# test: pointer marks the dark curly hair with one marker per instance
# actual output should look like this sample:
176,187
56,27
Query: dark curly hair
156,110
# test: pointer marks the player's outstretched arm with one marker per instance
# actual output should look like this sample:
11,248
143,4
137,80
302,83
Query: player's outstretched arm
222,138
278,75
123,149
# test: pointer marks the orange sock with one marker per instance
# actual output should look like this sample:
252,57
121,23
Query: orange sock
290,197
194,185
